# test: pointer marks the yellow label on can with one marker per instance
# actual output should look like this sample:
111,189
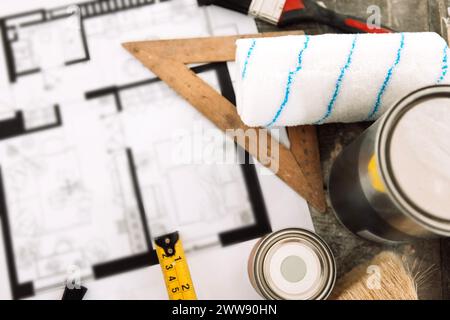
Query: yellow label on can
374,176
174,267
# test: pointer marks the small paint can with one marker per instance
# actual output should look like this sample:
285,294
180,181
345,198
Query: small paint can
292,264
392,184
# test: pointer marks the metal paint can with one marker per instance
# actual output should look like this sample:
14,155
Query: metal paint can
380,186
292,264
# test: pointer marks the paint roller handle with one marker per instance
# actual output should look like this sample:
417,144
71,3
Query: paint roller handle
296,11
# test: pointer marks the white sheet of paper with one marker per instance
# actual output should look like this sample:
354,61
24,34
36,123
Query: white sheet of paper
74,162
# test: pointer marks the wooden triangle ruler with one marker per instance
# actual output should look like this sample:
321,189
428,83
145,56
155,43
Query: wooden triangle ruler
170,59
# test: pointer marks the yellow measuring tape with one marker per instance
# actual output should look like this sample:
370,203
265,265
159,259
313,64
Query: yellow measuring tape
174,267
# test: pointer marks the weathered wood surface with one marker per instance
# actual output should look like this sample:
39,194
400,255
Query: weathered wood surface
401,15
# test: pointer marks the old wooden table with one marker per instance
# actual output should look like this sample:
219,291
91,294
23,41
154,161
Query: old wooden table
432,256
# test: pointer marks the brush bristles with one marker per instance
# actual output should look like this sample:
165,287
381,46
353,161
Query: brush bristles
384,278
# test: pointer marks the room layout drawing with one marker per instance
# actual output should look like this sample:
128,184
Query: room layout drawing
87,169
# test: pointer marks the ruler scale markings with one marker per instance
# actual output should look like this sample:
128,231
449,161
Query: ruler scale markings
174,267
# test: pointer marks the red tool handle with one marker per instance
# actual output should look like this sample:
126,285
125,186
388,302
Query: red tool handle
296,11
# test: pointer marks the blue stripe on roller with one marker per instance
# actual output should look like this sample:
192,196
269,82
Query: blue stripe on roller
247,59
290,79
339,81
387,79
444,65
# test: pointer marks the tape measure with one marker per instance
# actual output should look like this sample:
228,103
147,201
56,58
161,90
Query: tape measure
174,267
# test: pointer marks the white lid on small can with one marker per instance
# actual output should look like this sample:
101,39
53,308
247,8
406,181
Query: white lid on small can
293,264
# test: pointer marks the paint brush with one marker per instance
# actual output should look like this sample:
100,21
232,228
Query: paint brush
288,12
383,278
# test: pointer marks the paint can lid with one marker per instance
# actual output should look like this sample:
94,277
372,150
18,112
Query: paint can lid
294,264
417,141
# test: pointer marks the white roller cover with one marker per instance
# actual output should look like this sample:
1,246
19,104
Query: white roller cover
296,80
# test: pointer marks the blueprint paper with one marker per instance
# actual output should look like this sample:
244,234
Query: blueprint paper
87,172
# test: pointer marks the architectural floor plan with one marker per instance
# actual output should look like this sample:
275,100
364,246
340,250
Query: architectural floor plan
87,169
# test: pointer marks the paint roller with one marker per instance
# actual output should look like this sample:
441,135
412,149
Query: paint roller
298,80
